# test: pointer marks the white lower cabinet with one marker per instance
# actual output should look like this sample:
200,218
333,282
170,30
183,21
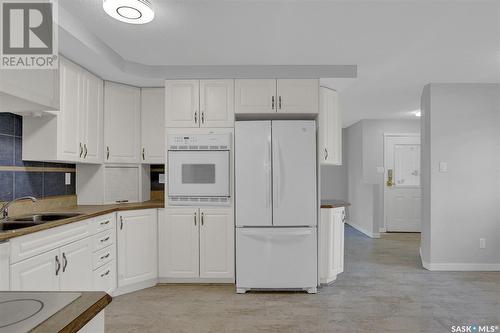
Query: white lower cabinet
39,273
137,246
76,265
331,244
79,257
197,243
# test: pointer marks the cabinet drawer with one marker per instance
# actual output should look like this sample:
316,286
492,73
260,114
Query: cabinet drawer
103,256
104,239
105,278
36,243
104,222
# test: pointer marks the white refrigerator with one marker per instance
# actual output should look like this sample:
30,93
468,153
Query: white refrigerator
276,205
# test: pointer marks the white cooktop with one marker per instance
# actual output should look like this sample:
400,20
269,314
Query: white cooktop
23,311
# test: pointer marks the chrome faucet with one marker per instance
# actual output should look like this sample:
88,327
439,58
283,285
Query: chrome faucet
4,211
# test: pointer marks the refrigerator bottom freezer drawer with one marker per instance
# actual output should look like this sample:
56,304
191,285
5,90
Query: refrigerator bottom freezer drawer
276,258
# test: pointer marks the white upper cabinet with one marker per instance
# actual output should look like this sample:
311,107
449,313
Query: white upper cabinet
255,96
217,103
92,118
72,111
182,103
153,125
137,246
330,128
298,96
205,103
121,123
216,243
74,134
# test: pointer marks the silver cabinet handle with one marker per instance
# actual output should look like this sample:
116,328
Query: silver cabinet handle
85,148
105,239
81,150
196,117
279,102
121,222
104,274
105,256
121,201
326,154
272,102
107,152
202,117
105,222
143,153
202,218
58,265
195,218
65,262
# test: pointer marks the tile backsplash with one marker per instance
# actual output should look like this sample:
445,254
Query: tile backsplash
21,178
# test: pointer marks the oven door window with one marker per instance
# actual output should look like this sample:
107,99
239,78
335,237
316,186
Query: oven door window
198,173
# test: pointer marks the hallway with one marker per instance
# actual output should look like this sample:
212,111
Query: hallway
383,289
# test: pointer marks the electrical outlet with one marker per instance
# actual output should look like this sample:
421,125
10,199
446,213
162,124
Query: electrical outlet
67,178
482,243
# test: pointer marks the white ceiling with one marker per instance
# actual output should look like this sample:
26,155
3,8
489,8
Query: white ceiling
399,46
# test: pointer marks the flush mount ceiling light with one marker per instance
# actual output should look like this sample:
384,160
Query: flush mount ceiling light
129,11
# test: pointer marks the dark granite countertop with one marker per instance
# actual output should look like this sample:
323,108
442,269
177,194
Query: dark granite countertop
332,203
87,211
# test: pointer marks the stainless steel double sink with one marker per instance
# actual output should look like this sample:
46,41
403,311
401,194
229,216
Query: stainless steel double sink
33,220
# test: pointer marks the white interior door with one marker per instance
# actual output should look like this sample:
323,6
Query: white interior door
253,173
402,192
294,173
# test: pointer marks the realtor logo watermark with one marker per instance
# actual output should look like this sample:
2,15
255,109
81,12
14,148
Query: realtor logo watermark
29,34
474,328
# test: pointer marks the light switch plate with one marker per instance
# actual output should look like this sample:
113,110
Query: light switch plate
67,178
443,167
161,178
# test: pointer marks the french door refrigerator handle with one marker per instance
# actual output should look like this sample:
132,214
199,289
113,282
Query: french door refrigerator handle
267,166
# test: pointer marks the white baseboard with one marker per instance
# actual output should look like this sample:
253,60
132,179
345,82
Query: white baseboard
384,229
134,287
195,280
363,230
451,266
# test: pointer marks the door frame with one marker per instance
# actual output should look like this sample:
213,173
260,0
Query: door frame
388,135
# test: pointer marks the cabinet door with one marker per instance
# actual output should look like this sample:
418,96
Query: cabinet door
137,246
39,273
153,125
121,123
216,243
217,103
182,103
93,125
255,96
179,255
70,141
76,265
338,241
297,96
330,128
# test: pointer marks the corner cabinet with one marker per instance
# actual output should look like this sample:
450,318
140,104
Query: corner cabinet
197,244
122,123
137,247
199,103
152,125
74,134
330,128
331,244
287,96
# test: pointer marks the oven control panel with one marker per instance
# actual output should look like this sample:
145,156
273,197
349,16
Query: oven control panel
199,142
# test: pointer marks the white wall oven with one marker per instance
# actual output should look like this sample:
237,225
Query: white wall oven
198,169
